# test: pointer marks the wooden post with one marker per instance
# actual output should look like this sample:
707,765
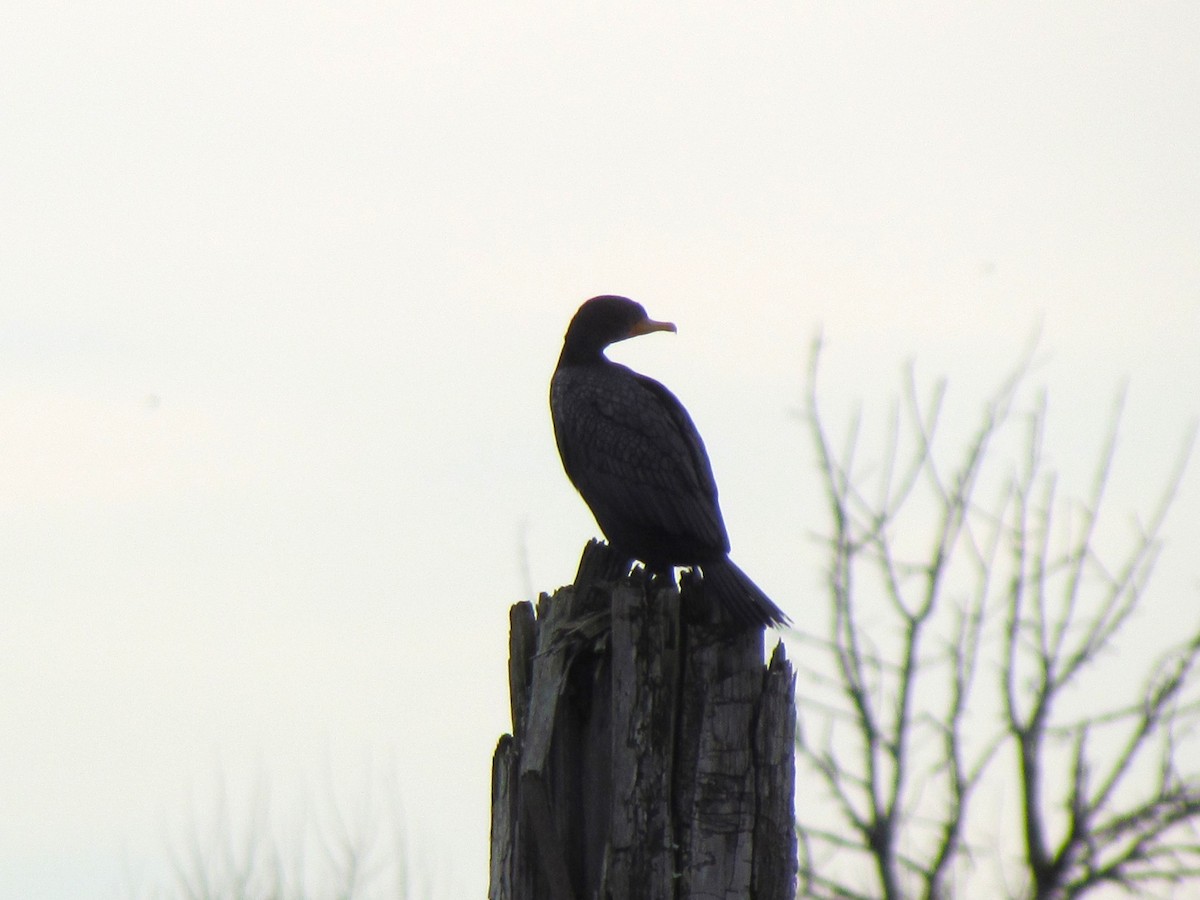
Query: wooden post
651,754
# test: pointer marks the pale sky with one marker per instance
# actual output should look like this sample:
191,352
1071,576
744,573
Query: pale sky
281,289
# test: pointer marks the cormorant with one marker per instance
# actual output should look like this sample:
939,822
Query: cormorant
631,450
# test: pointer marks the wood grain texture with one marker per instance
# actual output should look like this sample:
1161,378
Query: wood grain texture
652,755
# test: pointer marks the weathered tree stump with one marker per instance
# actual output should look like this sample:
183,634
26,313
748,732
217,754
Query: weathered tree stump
651,754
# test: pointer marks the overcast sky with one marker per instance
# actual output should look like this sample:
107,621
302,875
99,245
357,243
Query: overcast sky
281,289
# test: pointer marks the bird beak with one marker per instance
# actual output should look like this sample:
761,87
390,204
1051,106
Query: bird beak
648,325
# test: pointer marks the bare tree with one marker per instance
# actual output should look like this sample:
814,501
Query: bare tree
336,849
969,710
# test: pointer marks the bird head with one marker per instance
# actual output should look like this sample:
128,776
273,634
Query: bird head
605,320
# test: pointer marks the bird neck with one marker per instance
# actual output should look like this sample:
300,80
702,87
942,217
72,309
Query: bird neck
575,354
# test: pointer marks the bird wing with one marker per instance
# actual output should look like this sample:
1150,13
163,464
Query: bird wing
634,454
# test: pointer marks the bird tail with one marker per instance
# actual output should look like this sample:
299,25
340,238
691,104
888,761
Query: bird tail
740,599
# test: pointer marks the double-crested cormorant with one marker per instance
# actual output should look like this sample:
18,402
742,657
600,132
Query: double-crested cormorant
631,450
